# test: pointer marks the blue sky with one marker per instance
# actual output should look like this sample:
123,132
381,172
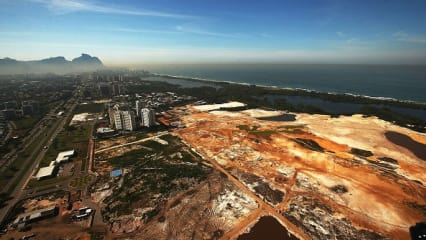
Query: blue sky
170,31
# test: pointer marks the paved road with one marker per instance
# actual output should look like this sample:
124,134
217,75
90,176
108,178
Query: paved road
29,138
37,155
131,143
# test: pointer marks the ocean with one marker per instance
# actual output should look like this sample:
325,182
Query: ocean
389,81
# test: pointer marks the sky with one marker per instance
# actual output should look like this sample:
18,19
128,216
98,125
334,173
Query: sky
130,32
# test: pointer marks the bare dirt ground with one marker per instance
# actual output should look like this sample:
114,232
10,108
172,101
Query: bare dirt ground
320,177
57,227
358,182
205,212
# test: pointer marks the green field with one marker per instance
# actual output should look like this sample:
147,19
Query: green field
26,123
76,138
89,108
155,172
44,182
20,162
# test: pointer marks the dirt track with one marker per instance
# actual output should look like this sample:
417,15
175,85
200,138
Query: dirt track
381,197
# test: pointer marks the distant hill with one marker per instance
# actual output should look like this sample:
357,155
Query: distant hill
51,65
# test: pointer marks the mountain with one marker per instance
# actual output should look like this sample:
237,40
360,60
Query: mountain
59,65
87,59
53,60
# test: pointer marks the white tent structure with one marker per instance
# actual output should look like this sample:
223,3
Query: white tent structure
45,172
64,156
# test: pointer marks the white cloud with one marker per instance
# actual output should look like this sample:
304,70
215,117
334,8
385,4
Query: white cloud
67,6
405,37
340,34
133,30
266,35
199,31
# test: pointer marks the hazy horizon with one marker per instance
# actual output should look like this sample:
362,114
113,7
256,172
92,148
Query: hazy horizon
146,32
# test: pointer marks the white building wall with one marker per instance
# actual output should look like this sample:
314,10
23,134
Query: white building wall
129,122
147,117
117,120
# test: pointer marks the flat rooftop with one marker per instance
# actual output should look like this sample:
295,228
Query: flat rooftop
45,171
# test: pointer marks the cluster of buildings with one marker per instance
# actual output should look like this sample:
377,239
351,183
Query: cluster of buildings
110,85
128,119
161,99
50,171
13,110
29,217
130,115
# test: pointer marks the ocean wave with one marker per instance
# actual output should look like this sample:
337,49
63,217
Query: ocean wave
381,98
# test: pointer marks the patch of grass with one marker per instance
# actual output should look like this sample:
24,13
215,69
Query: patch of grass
292,129
74,138
22,161
40,183
153,173
89,108
26,123
254,130
264,133
80,181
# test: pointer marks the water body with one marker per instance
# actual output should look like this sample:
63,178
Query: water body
418,149
391,81
181,82
267,228
342,107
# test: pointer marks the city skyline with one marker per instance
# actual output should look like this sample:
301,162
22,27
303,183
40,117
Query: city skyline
141,32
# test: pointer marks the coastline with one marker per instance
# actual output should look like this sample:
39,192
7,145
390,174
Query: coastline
268,87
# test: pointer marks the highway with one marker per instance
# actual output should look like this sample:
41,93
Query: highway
31,136
36,156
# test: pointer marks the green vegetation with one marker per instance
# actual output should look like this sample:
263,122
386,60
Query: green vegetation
89,108
155,172
293,129
44,182
255,96
80,181
26,123
254,131
76,138
21,162
400,119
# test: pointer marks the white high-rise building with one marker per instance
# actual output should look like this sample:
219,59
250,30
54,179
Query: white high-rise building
147,117
117,120
129,121
124,120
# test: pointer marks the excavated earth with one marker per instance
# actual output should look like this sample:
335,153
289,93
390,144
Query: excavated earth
320,177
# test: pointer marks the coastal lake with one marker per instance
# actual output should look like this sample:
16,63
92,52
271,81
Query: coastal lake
342,107
328,106
267,228
418,149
